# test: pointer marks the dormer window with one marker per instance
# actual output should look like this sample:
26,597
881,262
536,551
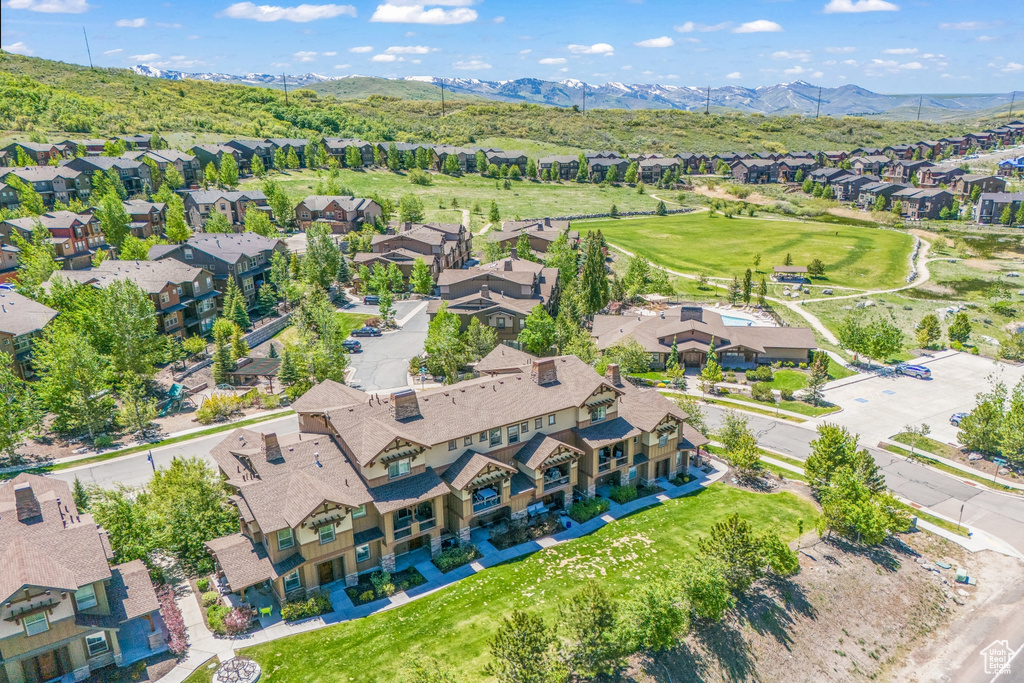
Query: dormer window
599,414
399,468
285,539
35,624
85,597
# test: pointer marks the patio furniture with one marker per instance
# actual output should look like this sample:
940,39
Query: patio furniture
267,611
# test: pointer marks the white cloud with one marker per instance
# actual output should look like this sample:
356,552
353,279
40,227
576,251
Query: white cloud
50,6
840,50
986,39
299,14
734,76
900,51
913,66
472,65
552,60
391,13
108,52
304,56
131,23
850,62
416,61
384,58
1011,67
689,27
627,67
361,48
564,69
342,66
968,25
759,26
330,54
796,71
595,49
663,41
856,6
801,55
499,20
18,48
526,51
163,24
410,50
151,57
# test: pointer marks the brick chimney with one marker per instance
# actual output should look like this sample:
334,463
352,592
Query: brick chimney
404,405
485,292
544,371
25,502
269,447
513,254
611,374
691,313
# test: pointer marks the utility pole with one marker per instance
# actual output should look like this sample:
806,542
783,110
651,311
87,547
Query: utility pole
584,98
818,111
707,103
919,102
87,50
1013,98
284,79
442,98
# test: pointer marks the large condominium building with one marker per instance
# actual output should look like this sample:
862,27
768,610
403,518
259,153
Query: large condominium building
372,477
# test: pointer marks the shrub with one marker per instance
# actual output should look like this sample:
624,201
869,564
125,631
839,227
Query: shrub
176,639
215,615
787,394
762,391
623,494
238,621
803,366
103,441
373,322
974,351
762,373
303,609
210,598
218,407
680,479
382,585
203,584
455,557
156,575
587,509
366,596
956,346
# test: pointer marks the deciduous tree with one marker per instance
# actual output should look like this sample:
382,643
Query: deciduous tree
18,411
538,335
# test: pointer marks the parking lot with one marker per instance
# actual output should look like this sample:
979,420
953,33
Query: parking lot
384,361
879,407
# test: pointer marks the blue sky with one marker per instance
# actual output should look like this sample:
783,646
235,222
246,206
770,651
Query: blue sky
883,45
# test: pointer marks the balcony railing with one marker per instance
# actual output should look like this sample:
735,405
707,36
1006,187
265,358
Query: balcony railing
621,462
604,465
427,524
550,484
403,533
486,505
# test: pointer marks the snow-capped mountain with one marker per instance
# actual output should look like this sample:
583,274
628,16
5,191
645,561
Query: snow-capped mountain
798,97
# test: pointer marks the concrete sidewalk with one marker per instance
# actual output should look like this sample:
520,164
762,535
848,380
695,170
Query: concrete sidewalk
203,646
955,465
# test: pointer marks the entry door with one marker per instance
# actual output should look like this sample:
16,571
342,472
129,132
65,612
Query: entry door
49,666
661,469
326,572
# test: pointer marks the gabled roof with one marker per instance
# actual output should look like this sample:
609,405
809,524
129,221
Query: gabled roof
503,359
316,202
408,491
469,466
211,196
21,315
152,277
539,448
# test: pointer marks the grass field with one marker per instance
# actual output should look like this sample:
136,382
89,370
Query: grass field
526,199
455,624
700,242
792,406
349,322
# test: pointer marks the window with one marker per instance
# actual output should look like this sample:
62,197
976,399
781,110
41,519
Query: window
663,440
537,423
496,436
551,419
362,553
285,539
524,427
35,623
209,282
513,434
453,444
468,441
188,254
96,643
291,581
359,511
598,414
501,323
399,468
483,437
327,534
522,323
164,297
85,597
179,290
632,473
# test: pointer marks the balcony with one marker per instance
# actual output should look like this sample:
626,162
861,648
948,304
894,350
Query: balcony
555,483
485,499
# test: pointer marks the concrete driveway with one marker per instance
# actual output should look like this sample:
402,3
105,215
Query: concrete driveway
878,407
384,361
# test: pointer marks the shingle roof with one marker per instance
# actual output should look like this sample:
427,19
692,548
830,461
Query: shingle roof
151,276
21,315
243,562
319,202
504,359
535,451
131,589
408,491
608,432
230,247
211,196
469,466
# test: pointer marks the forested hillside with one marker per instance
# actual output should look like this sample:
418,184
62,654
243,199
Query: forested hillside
53,98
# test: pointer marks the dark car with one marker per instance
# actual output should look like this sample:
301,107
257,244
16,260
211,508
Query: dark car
918,371
352,346
956,418
367,332
371,300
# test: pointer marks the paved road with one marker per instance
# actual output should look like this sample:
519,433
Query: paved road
998,514
384,361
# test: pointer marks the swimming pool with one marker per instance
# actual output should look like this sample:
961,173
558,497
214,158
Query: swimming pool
730,321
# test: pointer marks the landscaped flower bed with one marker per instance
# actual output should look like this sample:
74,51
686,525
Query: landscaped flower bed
313,606
456,556
383,585
520,532
175,622
584,510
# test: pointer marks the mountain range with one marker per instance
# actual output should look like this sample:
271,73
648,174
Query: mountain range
798,97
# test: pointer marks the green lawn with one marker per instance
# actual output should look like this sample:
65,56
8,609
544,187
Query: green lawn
931,462
526,199
792,406
349,322
928,444
788,379
853,256
455,624
837,371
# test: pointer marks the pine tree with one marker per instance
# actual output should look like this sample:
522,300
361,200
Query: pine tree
273,351
239,347
289,372
672,362
748,278
235,305
614,212
581,172
494,215
711,375
594,286
223,363
762,293
661,210
266,300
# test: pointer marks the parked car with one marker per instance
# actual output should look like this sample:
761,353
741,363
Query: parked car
371,300
955,418
367,332
1013,273
918,371
827,291
352,346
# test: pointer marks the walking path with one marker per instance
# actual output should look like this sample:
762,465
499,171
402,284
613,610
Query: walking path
203,645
